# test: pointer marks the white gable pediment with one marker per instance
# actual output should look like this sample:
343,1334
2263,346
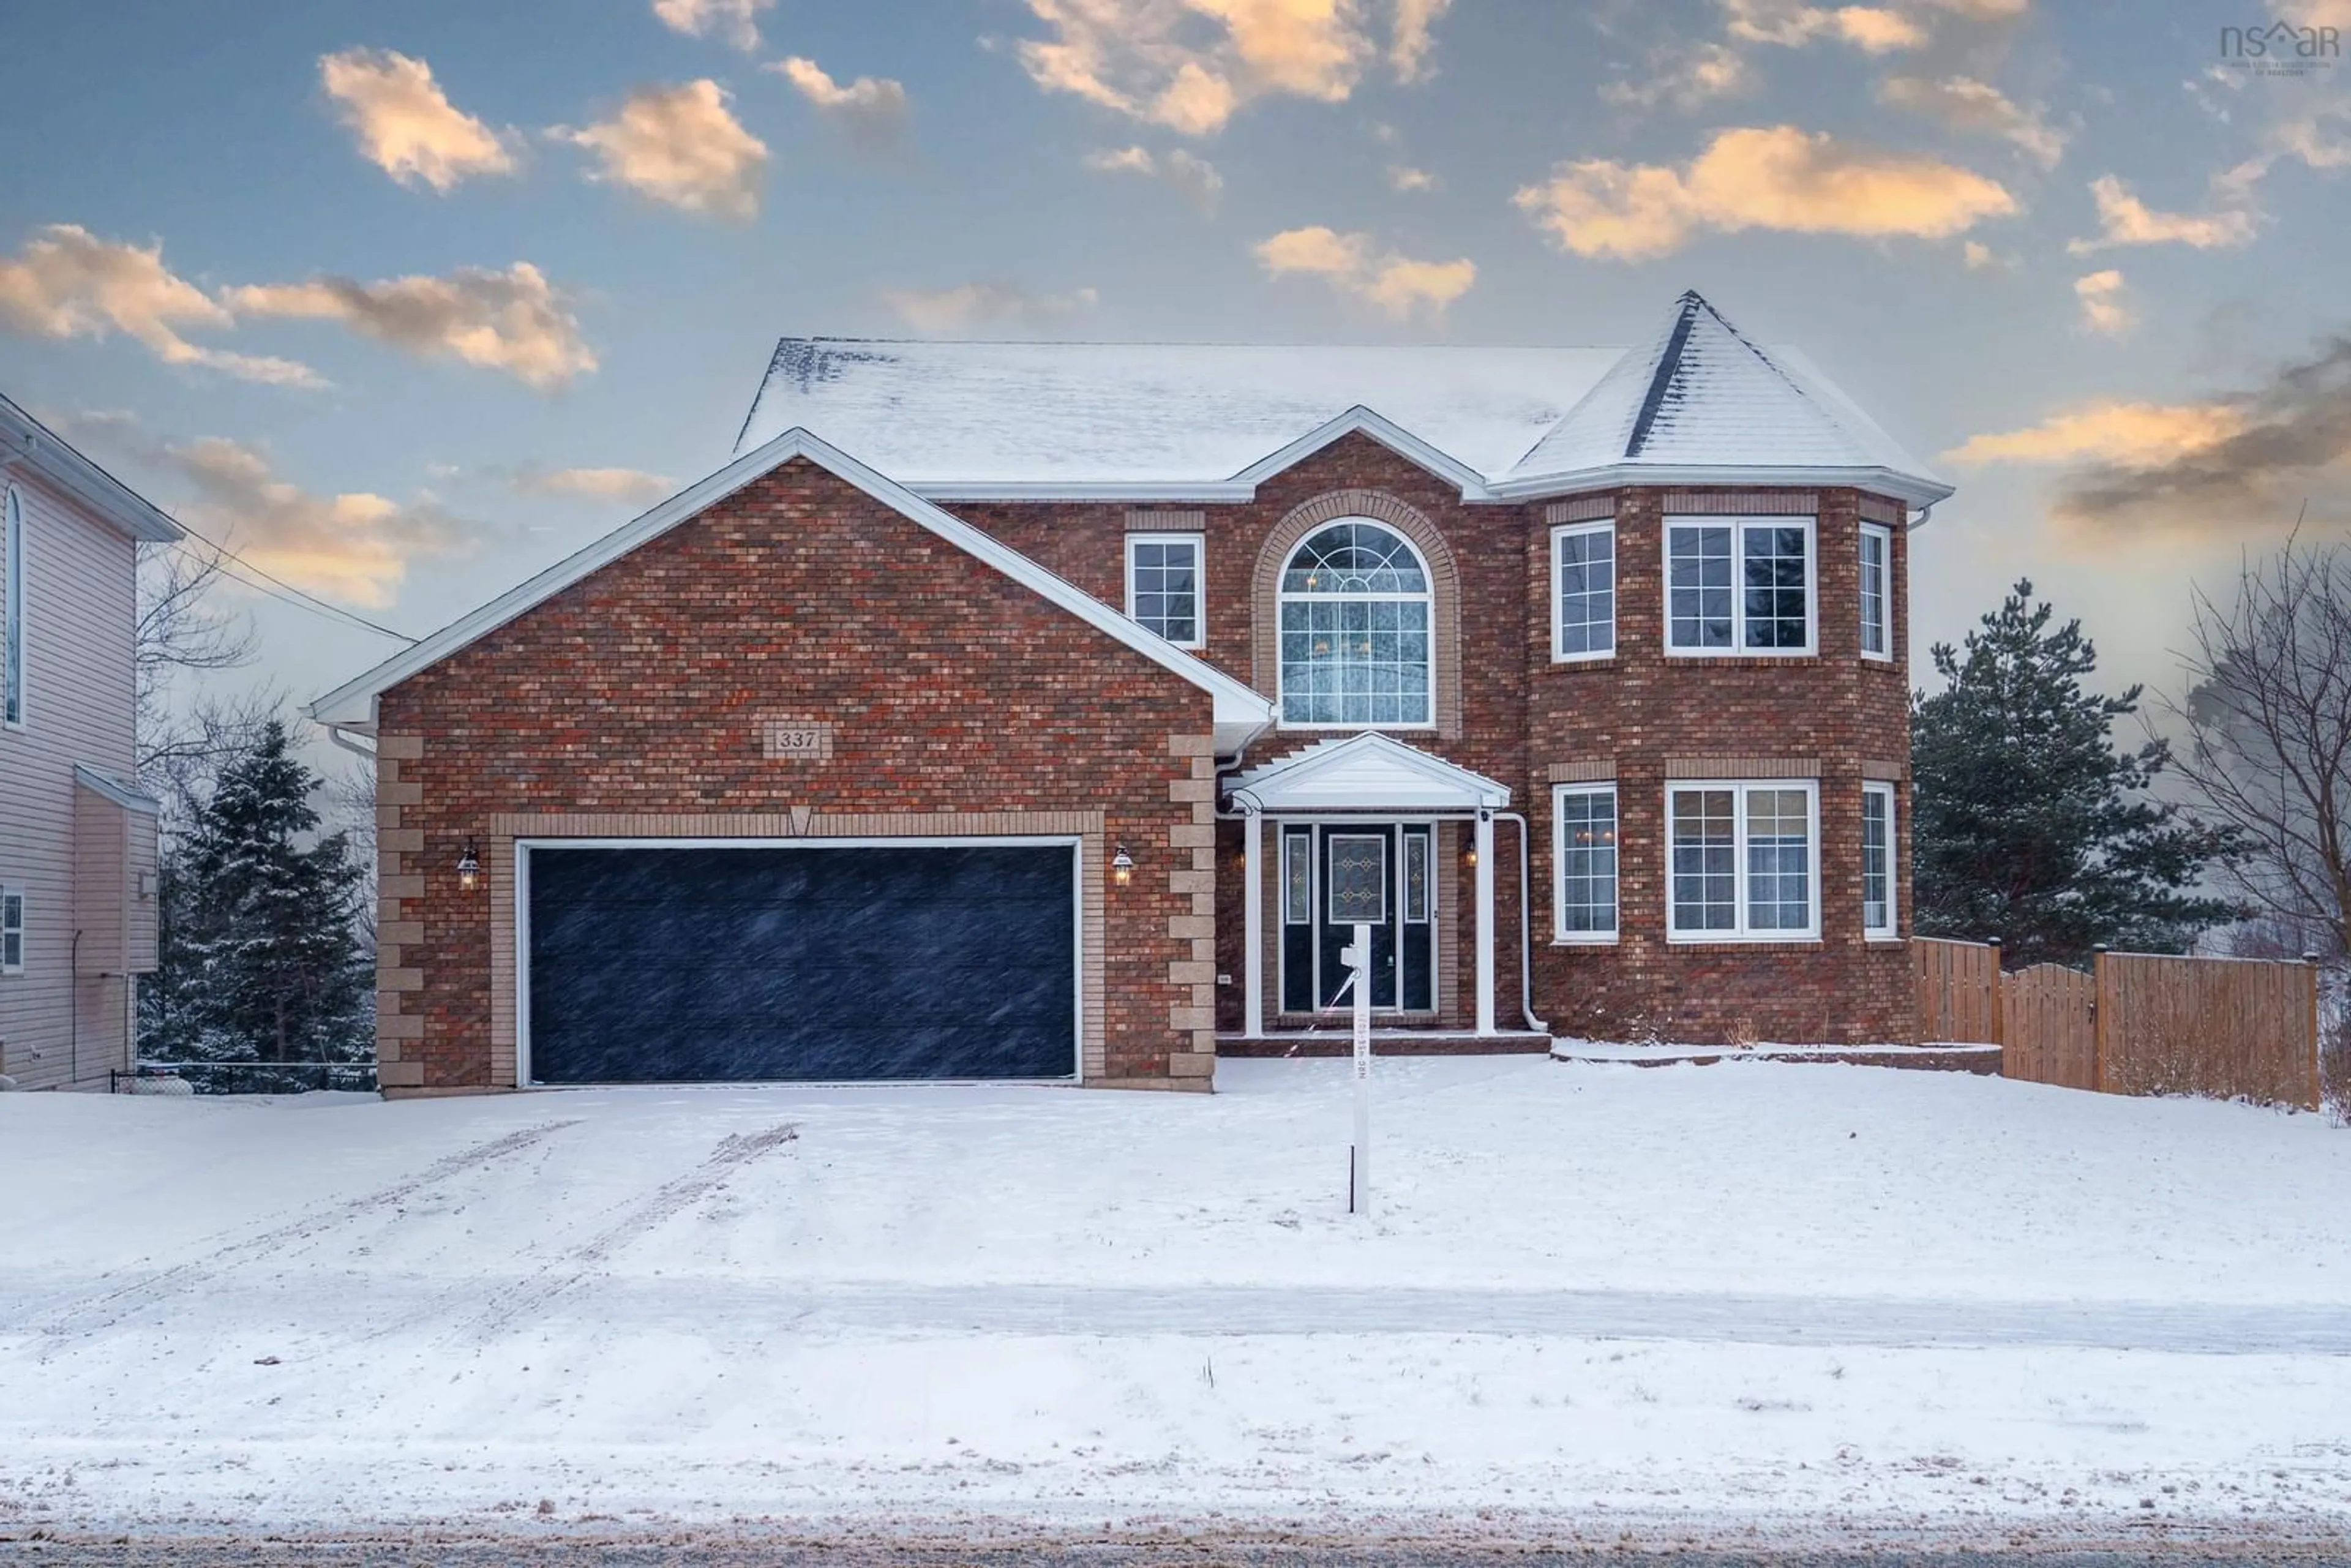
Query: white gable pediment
1368,772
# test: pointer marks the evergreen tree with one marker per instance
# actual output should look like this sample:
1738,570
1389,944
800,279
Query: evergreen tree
2027,824
258,962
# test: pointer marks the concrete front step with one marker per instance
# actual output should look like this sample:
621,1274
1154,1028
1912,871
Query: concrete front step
1389,1042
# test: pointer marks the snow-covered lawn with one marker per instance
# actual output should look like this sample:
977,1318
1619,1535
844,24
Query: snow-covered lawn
1593,1298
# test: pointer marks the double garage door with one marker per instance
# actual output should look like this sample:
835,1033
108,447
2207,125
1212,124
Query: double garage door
713,964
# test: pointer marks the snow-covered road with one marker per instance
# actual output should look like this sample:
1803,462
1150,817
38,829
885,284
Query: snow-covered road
1733,1294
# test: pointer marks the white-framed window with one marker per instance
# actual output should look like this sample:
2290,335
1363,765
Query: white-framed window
1164,586
12,635
1355,610
1584,590
1743,860
12,930
1878,881
1739,585
1584,862
1876,591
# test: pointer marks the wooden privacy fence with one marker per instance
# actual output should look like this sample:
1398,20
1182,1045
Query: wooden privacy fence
2139,1023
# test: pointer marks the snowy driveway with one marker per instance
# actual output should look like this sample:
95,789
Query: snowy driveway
1721,1294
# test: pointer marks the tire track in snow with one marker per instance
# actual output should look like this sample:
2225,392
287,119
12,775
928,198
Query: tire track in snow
576,1264
87,1316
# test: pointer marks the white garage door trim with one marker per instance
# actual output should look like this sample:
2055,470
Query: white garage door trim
1072,841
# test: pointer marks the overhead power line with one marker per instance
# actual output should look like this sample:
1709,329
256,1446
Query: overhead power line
290,594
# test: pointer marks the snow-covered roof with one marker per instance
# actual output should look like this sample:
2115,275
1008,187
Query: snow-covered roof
941,417
1240,712
1698,403
124,790
1366,772
1701,395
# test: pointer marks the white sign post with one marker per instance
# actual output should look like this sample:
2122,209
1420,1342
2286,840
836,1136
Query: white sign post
1358,959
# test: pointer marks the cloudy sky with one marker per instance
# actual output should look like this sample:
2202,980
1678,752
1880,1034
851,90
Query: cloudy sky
407,300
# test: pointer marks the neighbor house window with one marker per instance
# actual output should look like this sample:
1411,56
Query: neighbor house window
1584,590
1739,585
1742,860
12,648
1877,859
1877,590
1356,608
1583,818
12,931
1163,586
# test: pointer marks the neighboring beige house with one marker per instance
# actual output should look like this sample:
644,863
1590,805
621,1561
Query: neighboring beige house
77,835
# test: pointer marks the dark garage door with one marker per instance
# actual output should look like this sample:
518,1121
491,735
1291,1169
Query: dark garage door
712,964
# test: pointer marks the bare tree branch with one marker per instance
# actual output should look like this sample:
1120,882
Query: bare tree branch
2268,716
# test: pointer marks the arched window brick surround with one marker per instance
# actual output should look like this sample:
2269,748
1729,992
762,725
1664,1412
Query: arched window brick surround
1445,584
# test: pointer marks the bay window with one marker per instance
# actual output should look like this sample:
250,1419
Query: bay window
1742,861
1877,916
1584,590
1739,585
1876,591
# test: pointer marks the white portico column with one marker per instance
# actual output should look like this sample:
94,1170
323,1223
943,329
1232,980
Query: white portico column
1485,842
1253,921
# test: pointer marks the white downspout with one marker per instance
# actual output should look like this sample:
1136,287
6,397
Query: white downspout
336,733
1485,852
1253,923
1526,929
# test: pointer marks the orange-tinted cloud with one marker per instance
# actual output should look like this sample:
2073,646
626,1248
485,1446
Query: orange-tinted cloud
1775,177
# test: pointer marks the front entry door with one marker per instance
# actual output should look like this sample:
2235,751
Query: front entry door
1334,875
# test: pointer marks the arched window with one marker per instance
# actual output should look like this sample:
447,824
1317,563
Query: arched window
1356,610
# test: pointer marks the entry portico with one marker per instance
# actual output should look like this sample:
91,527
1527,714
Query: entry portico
1355,821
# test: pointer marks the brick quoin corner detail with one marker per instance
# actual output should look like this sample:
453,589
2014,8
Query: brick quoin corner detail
638,695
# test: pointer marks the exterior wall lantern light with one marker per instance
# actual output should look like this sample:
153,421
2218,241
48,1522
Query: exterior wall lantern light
469,867
1122,867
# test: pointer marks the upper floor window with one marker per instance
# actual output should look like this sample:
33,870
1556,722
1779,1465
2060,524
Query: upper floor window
1739,585
1163,586
12,637
1877,590
1355,608
1742,861
1584,590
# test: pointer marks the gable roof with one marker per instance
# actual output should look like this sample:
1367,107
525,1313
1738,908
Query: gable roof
1241,713
1701,398
24,439
1366,772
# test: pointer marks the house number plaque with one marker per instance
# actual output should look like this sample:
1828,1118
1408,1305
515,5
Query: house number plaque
782,740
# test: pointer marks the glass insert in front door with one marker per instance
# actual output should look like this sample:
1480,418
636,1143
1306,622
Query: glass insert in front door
1334,875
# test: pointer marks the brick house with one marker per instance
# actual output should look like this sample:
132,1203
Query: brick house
1067,728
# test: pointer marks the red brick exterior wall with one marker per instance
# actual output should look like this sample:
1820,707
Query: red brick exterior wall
1085,543
1521,714
639,688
